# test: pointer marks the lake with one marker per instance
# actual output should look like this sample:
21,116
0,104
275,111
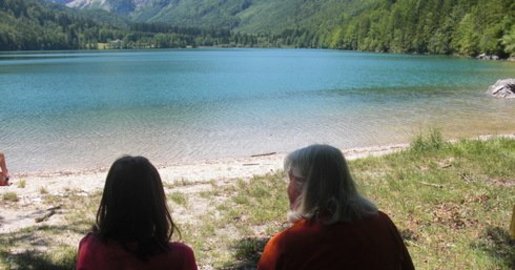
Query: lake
81,110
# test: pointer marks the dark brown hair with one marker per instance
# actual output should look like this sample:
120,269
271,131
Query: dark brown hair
133,209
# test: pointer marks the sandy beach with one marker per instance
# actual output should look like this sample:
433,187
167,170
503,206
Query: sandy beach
31,188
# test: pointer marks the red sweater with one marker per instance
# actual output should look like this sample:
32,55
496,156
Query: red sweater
369,243
99,255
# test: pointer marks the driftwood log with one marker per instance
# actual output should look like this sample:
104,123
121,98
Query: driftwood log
47,214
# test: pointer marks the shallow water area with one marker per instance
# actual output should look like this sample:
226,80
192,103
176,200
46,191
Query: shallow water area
81,110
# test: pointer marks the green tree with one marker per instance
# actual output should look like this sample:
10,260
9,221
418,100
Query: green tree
466,38
508,41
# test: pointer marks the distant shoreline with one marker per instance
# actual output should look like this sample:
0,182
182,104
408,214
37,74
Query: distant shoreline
480,57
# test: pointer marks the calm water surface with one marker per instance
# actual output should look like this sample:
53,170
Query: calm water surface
81,110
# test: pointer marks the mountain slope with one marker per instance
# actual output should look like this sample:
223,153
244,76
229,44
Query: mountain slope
35,25
465,27
241,15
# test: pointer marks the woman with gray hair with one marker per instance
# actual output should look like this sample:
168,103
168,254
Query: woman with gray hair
334,227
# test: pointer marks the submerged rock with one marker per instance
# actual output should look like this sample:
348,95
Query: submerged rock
503,89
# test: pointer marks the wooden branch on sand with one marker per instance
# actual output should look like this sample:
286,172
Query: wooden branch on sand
264,154
47,214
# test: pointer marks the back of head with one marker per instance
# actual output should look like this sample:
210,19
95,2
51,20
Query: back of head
133,209
326,186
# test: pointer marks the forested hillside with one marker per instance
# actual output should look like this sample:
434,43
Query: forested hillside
30,25
33,25
464,27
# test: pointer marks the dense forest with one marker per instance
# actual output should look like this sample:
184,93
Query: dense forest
463,27
32,25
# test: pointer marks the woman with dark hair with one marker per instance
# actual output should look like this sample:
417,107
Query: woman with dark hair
133,225
334,227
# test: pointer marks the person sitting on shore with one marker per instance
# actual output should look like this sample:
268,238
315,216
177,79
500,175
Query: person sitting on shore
334,226
133,224
4,173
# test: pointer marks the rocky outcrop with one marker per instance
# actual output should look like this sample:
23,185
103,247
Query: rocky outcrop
485,56
503,89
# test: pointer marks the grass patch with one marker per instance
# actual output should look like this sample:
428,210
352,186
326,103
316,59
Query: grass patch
10,197
39,260
423,143
232,232
22,183
451,202
178,198
447,199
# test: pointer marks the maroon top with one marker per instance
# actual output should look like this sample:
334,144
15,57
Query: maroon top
99,255
369,243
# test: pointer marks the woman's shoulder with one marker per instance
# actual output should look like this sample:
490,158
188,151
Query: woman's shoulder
89,238
298,230
92,242
180,248
385,218
181,254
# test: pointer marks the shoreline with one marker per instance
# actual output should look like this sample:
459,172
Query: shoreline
32,187
89,180
32,190
259,160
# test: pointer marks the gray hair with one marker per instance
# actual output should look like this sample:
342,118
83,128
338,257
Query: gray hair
325,185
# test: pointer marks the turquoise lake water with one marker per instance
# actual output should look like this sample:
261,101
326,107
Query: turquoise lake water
81,110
